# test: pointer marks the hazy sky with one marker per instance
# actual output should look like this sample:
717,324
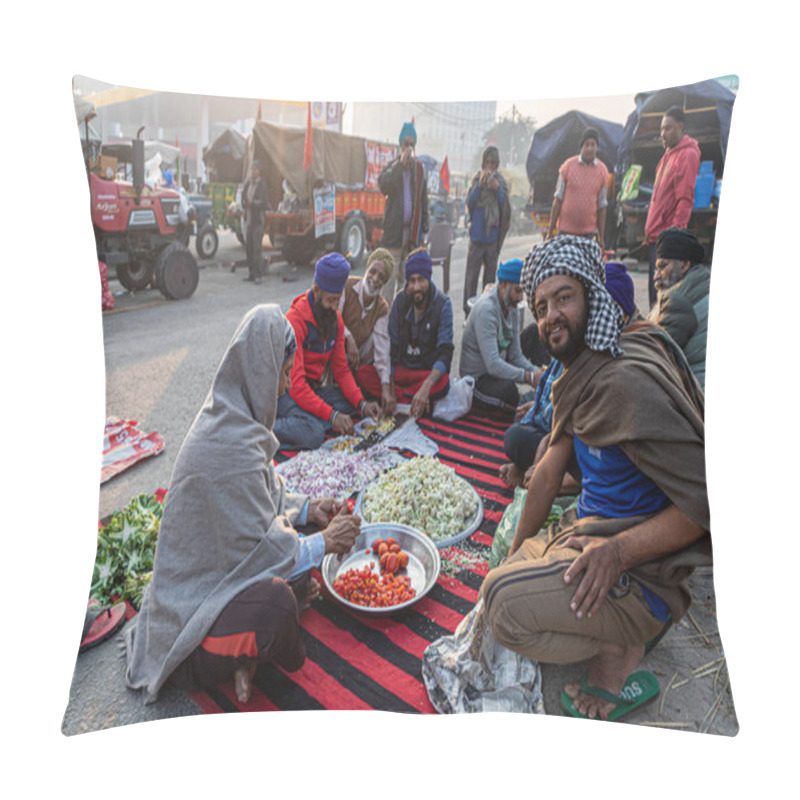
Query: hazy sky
614,108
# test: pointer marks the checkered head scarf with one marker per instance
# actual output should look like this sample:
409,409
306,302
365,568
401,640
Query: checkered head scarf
581,259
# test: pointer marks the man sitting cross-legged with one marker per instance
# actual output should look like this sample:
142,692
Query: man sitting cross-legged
611,574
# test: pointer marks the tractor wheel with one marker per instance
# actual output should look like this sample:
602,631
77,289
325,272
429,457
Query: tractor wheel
207,241
353,241
135,275
177,274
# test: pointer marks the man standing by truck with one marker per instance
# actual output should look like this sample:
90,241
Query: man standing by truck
581,196
255,202
673,191
405,220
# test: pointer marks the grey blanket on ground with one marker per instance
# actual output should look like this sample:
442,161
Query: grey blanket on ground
470,672
227,521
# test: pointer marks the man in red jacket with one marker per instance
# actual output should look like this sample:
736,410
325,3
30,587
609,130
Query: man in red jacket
323,394
673,190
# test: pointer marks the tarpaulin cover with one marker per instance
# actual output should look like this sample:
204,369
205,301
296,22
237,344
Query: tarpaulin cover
338,159
560,139
708,106
225,157
124,445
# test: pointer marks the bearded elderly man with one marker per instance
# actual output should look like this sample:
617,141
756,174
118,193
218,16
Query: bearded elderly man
683,285
366,329
421,336
490,347
604,581
323,394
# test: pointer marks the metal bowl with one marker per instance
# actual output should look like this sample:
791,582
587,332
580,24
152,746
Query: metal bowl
423,563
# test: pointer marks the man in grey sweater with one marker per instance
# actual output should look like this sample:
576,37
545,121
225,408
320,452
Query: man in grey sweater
490,348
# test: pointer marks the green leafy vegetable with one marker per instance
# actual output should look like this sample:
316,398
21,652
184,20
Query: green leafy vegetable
126,547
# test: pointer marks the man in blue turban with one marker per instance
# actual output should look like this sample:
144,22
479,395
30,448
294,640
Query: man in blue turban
421,337
490,347
323,393
406,218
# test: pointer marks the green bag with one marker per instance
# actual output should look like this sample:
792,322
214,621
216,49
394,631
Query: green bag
507,527
630,183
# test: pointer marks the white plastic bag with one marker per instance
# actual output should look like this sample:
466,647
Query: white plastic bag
470,672
458,400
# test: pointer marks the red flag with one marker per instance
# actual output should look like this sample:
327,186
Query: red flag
444,176
308,151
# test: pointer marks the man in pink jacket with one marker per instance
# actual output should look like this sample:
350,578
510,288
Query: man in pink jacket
673,190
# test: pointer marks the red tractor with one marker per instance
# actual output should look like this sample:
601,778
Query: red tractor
139,232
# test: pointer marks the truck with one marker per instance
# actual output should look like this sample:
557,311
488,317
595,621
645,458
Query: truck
551,146
708,106
224,160
334,205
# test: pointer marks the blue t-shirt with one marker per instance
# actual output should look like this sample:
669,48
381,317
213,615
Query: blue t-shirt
613,486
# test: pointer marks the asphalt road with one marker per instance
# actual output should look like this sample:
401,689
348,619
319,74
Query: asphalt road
160,359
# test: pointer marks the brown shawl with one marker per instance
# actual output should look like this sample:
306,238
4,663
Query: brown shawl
639,402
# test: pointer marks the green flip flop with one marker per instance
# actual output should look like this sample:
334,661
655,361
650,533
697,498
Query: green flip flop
639,689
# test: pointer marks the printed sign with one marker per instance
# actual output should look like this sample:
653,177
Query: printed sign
324,210
378,156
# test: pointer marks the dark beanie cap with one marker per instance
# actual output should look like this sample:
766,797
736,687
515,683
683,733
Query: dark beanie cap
590,133
679,244
490,152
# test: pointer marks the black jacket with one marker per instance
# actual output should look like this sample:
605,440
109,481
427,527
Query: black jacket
390,182
260,202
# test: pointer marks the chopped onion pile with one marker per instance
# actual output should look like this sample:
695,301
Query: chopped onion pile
422,493
330,473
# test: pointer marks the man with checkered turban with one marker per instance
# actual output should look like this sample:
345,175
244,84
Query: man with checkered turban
606,580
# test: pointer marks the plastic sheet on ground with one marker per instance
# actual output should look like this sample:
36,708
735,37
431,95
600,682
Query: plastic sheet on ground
124,445
409,437
470,672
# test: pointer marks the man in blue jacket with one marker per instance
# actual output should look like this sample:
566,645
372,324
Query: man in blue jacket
421,337
489,219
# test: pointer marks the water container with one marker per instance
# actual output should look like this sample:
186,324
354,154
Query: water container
704,189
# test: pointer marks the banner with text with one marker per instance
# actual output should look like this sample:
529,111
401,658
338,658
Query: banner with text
324,210
378,156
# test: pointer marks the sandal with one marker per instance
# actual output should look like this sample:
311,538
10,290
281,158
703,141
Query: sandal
640,688
100,623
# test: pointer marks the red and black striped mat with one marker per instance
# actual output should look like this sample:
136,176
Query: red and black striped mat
356,662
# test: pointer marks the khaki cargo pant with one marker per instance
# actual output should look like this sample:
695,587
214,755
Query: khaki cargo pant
527,608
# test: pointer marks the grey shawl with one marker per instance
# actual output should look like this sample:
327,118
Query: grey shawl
227,517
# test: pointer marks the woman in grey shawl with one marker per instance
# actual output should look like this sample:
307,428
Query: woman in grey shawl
230,571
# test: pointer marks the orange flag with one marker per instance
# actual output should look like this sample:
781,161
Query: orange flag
308,151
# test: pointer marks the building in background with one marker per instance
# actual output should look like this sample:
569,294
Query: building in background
192,122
